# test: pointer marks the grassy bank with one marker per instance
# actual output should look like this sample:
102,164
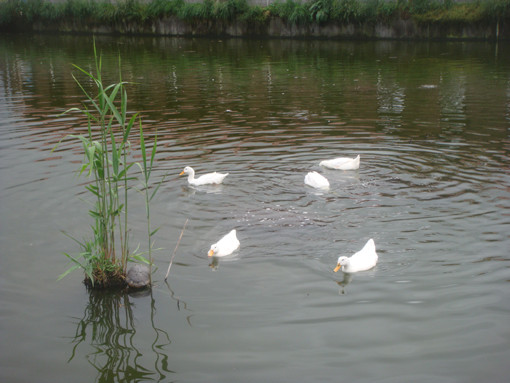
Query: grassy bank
22,15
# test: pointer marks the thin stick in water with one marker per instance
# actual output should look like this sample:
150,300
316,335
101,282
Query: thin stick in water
175,250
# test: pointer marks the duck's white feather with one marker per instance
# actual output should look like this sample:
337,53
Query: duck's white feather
363,260
225,246
342,163
316,180
206,179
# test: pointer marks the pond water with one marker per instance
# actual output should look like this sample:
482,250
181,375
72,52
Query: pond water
431,123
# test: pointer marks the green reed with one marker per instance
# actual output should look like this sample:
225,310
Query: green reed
107,147
146,169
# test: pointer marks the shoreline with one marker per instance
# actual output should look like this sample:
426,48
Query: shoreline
486,21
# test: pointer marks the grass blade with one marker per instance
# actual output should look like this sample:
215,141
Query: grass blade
128,127
69,270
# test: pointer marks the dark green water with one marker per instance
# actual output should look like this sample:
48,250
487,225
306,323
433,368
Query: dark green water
431,122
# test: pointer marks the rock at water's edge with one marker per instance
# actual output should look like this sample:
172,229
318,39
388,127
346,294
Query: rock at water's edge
138,276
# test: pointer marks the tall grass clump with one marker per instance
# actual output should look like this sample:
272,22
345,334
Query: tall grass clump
320,10
194,11
104,256
293,12
229,10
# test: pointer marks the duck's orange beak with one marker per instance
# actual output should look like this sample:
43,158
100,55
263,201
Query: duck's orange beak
210,253
181,173
338,266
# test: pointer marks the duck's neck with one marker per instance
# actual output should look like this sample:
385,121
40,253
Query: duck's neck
191,175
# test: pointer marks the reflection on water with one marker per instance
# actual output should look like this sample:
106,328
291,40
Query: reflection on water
347,278
265,86
109,329
215,261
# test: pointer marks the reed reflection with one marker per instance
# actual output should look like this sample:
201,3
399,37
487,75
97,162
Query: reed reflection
108,330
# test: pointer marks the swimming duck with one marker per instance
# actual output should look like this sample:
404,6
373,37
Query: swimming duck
225,246
363,260
317,181
206,179
341,163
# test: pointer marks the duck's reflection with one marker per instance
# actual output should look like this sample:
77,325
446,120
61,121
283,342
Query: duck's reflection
215,261
191,190
344,282
108,329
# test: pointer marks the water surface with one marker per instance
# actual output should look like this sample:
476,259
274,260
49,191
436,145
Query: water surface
430,122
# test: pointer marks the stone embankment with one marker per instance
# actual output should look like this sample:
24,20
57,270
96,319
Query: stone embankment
276,28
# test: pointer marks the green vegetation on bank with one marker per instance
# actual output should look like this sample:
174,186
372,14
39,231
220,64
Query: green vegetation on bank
20,15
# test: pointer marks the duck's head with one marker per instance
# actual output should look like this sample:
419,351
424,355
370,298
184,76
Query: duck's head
186,170
213,250
342,261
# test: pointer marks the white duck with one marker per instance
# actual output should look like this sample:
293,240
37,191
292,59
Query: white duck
363,260
341,163
206,179
225,246
317,181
